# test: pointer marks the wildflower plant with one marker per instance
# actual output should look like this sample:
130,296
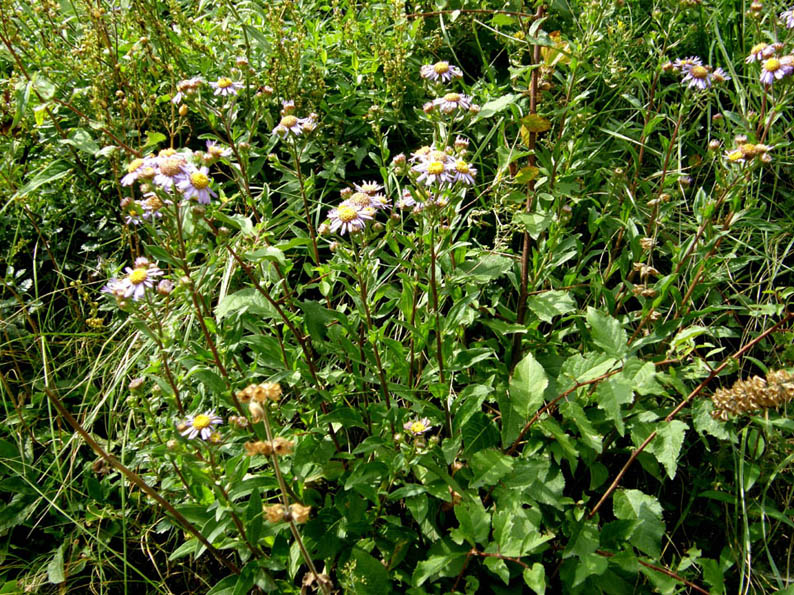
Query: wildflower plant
375,312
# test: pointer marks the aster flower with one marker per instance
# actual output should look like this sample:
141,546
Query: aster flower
787,16
361,200
196,184
294,125
434,171
134,213
139,277
452,101
224,87
215,151
464,172
186,87
134,170
775,69
151,205
368,187
684,64
440,71
115,288
199,425
406,201
171,167
418,427
698,77
348,218
760,51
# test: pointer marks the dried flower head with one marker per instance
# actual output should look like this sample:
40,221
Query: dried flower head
282,446
300,513
746,396
275,513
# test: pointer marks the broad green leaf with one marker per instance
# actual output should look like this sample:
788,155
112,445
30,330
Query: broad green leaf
705,424
549,304
485,268
489,466
527,385
54,171
496,106
499,568
474,522
534,223
667,444
573,411
611,394
240,302
535,578
645,510
607,333
372,575
478,433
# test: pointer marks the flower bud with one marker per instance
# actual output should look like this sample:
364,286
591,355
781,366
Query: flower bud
183,110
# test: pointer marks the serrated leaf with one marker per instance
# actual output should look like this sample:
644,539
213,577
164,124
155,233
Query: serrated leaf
474,522
611,395
489,466
478,433
444,564
527,385
607,333
549,304
573,411
646,512
154,138
704,423
667,444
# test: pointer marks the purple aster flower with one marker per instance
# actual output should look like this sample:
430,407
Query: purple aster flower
698,77
440,71
759,52
418,427
199,425
436,168
140,276
186,87
787,16
224,87
368,187
215,151
349,218
134,170
464,172
196,184
407,200
452,101
684,64
290,124
775,69
171,167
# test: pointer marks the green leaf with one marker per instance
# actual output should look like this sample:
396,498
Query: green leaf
82,140
269,254
54,171
549,304
573,411
489,466
646,512
607,333
535,577
55,566
444,564
43,86
474,522
705,424
534,223
667,444
318,318
154,138
497,105
372,575
499,568
611,395
478,433
485,268
240,302
527,385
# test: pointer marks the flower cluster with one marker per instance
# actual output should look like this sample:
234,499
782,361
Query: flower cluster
752,394
171,170
186,87
260,393
140,277
201,425
696,74
359,205
746,151
290,124
442,167
279,445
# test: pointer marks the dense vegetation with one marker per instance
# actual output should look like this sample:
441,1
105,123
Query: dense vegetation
416,297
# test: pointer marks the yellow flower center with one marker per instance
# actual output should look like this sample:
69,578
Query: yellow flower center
199,180
346,214
147,172
201,421
441,67
224,82
735,155
288,121
171,166
167,153
757,48
215,151
154,203
360,199
418,427
699,72
748,149
138,276
435,168
461,166
136,163
772,65
438,156
453,97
